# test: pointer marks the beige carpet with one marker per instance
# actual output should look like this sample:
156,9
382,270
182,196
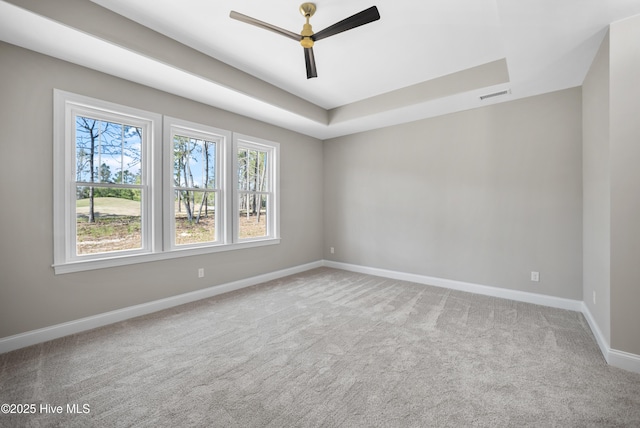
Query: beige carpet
328,348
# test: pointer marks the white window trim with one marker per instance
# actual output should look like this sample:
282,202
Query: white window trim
157,175
273,216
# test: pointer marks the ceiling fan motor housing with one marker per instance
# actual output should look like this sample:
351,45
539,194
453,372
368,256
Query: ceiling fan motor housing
306,41
307,10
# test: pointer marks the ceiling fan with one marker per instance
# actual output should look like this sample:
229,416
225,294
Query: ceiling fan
307,37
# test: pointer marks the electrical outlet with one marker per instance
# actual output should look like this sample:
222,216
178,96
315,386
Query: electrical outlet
535,276
332,250
201,273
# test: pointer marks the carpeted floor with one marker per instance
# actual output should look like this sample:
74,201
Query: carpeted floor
327,348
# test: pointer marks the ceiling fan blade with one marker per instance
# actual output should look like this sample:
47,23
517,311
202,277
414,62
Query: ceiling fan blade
265,25
361,18
310,61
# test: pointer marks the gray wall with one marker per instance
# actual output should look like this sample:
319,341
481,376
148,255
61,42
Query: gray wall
596,189
611,109
484,196
31,296
625,184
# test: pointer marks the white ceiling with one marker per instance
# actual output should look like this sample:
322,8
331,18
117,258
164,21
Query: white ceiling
412,42
548,45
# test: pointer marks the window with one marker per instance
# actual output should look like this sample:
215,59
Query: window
256,174
103,189
195,202
124,192
109,190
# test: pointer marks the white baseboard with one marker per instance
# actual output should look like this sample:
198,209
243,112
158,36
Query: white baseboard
520,296
620,359
615,358
34,337
624,360
601,340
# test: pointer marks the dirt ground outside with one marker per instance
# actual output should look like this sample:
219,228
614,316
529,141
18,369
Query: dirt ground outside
117,227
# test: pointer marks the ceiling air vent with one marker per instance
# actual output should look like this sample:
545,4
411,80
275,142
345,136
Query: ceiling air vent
495,94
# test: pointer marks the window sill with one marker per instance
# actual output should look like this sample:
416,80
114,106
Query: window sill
115,261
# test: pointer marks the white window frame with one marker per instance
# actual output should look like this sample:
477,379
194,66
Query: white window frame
273,181
222,138
67,107
157,171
